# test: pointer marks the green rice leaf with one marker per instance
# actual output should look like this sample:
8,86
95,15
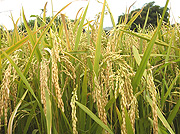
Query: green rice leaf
31,37
94,117
48,112
147,53
98,42
10,124
111,16
141,40
35,131
78,36
138,59
148,38
134,18
174,112
77,21
18,44
128,123
163,98
83,101
110,103
66,32
119,116
161,117
169,90
31,116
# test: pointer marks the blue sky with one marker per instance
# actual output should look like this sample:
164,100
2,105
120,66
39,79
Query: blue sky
32,7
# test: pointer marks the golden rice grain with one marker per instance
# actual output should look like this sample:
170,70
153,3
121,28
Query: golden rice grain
152,90
74,98
55,78
99,101
5,92
43,81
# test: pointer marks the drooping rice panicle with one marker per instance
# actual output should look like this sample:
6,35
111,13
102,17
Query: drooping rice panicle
55,78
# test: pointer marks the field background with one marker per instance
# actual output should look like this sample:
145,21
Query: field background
73,77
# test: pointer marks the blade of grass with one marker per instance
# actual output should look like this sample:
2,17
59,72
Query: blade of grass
161,117
48,112
163,98
31,38
163,66
147,53
145,37
18,44
119,116
44,14
129,23
66,32
78,36
83,101
174,112
94,117
30,117
35,29
128,123
35,131
10,124
111,16
77,22
98,42
169,90
138,59
8,35
15,34
110,103
160,130
141,40
127,13
134,18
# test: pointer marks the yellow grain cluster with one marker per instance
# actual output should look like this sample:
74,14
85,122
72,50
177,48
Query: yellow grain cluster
55,77
5,91
128,100
73,106
122,78
44,81
152,90
99,95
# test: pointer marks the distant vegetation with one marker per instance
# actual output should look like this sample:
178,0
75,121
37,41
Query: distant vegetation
154,16
39,22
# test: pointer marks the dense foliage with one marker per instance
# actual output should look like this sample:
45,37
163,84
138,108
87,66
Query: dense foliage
39,19
155,13
56,79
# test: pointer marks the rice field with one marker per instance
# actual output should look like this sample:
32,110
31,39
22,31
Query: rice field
73,77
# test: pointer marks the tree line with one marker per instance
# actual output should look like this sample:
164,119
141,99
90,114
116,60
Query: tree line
155,13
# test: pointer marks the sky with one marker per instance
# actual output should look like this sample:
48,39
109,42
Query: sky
117,7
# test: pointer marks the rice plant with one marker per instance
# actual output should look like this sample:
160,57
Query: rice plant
73,77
